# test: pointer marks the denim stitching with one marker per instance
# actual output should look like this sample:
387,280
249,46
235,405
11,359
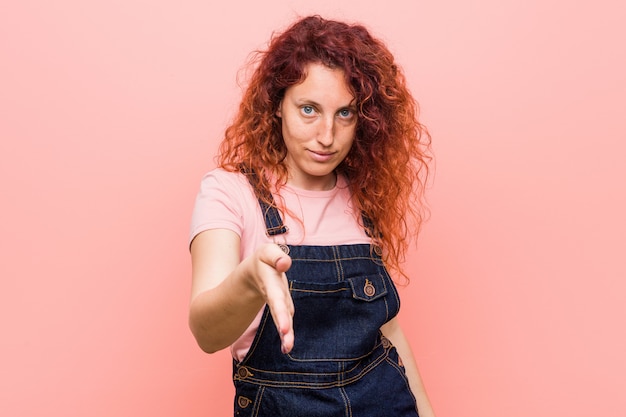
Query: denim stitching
346,402
273,222
338,265
255,342
338,382
257,401
402,373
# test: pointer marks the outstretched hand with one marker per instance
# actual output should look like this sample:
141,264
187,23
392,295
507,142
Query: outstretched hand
268,276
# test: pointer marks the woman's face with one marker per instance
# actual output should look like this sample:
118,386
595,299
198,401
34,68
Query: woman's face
318,125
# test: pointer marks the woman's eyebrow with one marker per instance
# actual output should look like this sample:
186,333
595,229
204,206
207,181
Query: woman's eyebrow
307,101
351,105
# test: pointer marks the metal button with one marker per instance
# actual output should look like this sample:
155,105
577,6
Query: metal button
284,248
243,402
243,372
369,289
385,342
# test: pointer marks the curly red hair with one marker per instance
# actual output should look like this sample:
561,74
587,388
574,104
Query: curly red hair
387,166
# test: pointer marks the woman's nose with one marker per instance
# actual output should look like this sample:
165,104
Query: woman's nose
326,135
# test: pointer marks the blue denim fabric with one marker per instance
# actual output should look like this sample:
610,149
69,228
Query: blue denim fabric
341,364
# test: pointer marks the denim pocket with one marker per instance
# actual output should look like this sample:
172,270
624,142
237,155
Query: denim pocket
340,320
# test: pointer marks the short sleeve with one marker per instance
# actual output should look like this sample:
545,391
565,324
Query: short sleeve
218,203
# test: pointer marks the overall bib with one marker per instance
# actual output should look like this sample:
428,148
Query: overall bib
341,364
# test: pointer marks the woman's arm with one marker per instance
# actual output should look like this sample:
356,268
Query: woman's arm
392,331
227,293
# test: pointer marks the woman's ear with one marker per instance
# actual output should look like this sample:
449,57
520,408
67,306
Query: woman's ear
279,110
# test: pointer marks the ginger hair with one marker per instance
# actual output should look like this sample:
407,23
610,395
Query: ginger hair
387,166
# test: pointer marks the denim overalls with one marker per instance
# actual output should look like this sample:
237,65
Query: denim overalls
341,364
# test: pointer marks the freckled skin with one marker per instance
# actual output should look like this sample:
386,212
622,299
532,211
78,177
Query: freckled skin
318,125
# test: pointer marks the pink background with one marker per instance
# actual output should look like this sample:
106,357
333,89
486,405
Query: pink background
110,112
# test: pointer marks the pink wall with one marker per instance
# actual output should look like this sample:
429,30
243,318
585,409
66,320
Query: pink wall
110,113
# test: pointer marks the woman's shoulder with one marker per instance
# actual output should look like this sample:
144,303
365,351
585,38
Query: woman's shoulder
225,200
224,185
224,175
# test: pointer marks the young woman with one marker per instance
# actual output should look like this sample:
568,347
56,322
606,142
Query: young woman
296,234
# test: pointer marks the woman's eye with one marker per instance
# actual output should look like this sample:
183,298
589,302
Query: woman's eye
308,110
345,113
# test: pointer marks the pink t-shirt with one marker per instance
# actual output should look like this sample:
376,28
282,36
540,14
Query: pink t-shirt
226,201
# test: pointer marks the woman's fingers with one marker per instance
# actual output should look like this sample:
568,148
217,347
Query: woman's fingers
277,294
281,308
282,263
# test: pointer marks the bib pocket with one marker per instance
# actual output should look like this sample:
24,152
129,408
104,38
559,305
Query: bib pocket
338,321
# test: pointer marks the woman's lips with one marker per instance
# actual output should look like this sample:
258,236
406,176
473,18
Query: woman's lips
321,156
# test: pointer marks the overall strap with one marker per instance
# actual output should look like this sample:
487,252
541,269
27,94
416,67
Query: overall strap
273,222
368,225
